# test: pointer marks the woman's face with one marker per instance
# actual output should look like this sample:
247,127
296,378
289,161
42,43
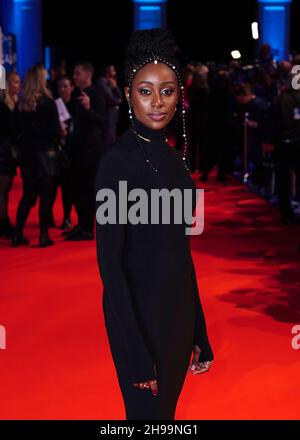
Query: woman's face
65,89
154,95
14,85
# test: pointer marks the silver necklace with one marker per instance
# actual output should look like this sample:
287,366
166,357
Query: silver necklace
139,136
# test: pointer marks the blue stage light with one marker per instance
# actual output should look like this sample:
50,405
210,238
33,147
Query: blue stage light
149,14
274,20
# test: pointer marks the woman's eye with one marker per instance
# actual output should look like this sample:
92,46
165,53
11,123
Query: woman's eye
145,92
167,92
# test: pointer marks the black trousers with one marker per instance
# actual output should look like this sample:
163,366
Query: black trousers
6,182
142,404
84,197
288,159
67,192
34,187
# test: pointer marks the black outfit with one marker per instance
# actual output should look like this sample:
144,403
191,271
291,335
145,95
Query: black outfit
286,132
7,162
257,110
67,177
39,131
220,148
151,304
86,149
7,167
113,98
198,119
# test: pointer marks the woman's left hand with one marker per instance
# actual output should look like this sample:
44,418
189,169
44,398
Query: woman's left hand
197,367
149,385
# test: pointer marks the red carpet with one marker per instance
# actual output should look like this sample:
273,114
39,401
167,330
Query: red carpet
57,363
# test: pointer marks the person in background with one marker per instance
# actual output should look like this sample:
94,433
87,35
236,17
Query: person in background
38,126
219,149
61,69
111,92
7,161
87,108
65,88
286,138
255,109
198,94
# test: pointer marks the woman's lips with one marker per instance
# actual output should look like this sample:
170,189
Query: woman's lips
157,116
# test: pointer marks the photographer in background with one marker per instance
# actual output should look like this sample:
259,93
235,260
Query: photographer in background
111,92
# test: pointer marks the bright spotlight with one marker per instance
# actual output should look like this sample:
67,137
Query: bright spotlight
255,33
236,54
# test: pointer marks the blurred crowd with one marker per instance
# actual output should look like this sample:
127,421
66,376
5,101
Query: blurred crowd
55,130
242,120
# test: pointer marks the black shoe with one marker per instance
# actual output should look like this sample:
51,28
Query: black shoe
66,224
6,229
45,241
19,240
72,231
80,235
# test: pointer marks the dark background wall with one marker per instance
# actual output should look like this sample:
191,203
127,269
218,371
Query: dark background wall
205,30
295,27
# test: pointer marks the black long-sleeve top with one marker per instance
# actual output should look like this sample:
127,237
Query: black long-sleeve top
40,128
37,130
150,294
86,139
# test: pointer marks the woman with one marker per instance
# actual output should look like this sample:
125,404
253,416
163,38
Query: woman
7,160
65,89
151,304
39,128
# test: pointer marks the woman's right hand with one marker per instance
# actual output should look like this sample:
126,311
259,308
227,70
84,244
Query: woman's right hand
150,384
197,367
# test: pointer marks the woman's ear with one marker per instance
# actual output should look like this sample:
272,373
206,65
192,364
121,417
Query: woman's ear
126,90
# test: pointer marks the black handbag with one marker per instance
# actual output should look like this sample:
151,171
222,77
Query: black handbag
8,152
48,161
63,157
